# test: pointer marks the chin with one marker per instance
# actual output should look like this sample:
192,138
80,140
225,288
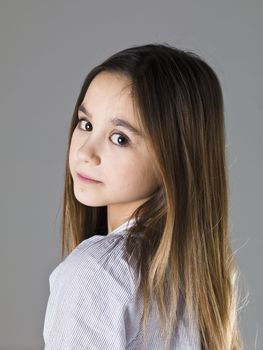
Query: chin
88,200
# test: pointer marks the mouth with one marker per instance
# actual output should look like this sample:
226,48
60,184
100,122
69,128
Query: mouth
87,179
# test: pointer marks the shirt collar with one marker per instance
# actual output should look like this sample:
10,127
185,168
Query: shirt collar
123,227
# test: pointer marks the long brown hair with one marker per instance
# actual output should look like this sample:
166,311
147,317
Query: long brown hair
181,237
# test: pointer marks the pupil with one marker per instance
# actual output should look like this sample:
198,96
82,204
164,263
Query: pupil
88,125
120,137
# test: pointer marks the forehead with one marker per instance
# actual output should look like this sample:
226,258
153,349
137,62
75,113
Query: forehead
109,97
110,94
110,87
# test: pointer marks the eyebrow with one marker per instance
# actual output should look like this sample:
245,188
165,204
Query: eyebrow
115,121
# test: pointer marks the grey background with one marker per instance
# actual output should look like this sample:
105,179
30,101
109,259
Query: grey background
47,48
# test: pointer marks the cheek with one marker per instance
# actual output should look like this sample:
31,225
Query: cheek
139,173
147,172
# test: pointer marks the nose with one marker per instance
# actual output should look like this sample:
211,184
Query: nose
88,152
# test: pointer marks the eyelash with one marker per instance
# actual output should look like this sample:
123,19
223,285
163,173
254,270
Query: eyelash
127,139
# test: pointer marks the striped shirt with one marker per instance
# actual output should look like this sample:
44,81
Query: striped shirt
94,302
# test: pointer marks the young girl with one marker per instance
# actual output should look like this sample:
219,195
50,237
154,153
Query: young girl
145,218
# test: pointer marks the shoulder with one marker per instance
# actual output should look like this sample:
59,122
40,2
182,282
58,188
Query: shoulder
99,260
91,293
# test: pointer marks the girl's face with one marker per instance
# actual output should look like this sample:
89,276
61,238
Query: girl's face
109,151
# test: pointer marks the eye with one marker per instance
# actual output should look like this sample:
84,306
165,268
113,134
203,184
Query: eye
83,121
122,137
85,125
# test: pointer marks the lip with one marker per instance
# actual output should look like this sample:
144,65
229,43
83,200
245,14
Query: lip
87,179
